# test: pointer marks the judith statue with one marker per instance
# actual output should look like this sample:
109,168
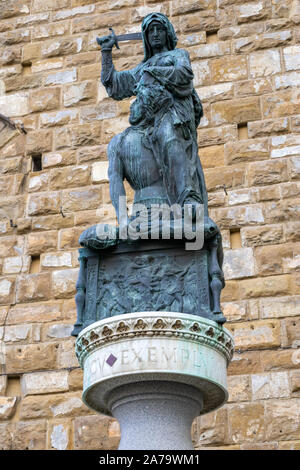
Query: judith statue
158,156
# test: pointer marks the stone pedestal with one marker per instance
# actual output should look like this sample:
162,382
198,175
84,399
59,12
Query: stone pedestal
155,372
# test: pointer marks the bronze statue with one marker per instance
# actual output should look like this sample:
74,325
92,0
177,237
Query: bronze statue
158,155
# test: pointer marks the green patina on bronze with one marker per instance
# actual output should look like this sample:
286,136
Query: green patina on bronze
158,155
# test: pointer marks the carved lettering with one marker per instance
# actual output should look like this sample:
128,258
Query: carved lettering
124,357
152,355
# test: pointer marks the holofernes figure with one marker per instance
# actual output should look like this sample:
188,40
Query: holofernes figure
158,154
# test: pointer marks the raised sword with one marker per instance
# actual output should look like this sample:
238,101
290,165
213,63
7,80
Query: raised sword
122,37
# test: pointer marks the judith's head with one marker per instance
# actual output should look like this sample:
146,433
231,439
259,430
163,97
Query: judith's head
157,31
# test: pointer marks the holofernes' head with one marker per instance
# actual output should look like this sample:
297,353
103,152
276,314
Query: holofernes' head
161,31
150,100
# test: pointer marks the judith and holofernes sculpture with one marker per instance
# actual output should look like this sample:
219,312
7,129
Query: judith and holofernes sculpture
151,268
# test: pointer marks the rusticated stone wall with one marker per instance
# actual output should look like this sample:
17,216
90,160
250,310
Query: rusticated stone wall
246,60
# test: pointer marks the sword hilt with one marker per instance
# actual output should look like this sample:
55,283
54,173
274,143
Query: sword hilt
114,37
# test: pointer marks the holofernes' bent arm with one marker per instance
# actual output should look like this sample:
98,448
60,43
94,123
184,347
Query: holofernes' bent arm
115,174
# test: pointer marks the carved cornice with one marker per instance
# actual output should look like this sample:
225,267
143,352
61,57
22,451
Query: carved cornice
154,324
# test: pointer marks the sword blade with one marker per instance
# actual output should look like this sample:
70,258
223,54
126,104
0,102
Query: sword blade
130,37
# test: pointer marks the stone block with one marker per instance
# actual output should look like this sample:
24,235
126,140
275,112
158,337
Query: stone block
34,313
212,157
3,385
254,236
16,333
245,362
229,68
30,435
256,335
230,177
39,242
75,379
236,217
69,238
267,386
264,63
7,407
56,260
61,46
81,199
7,287
265,287
258,86
217,49
39,383
247,422
216,136
291,328
82,93
247,150
294,167
60,330
251,11
291,57
235,311
63,283
78,135
5,437
59,118
282,419
44,99
66,353
216,92
201,73
239,263
15,264
273,259
76,176
39,142
281,104
30,357
285,210
14,105
212,429
236,111
92,432
240,196
100,172
38,182
268,127
267,172
61,77
295,383
292,231
239,388
92,153
33,287
44,203
60,435
64,157
202,21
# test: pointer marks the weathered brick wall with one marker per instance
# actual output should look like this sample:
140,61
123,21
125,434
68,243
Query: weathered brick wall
247,70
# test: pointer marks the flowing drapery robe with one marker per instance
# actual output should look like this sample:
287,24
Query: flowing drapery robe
176,139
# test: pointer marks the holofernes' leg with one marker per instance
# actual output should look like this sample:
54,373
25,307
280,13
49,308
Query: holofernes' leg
216,277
